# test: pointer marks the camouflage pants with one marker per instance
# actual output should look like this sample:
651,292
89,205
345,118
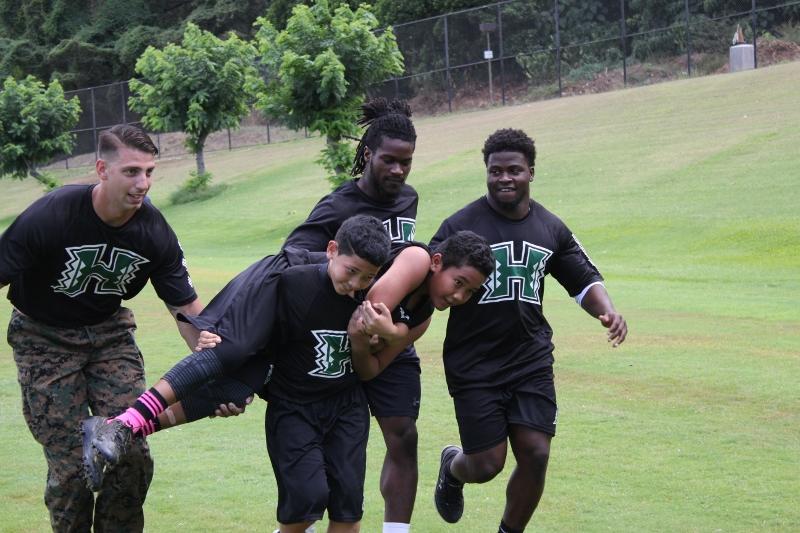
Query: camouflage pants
64,373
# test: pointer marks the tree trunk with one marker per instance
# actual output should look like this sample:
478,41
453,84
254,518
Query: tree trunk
332,142
201,162
48,182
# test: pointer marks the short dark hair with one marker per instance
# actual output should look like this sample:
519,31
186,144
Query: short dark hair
510,140
365,237
110,140
382,118
466,248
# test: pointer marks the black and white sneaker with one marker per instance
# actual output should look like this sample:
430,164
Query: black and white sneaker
449,494
93,462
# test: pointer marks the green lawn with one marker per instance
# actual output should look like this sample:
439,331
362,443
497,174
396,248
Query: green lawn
685,195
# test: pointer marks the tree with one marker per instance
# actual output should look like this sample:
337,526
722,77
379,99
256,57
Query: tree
200,86
318,71
35,124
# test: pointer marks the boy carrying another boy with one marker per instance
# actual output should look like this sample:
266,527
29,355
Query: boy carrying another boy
317,417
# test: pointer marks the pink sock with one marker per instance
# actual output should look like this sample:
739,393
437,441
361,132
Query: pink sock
141,418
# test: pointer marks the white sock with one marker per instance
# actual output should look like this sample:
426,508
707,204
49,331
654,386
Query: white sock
396,527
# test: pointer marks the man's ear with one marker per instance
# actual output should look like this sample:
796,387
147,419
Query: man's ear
101,168
367,154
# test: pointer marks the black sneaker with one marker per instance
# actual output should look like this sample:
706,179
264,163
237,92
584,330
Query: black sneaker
112,440
449,495
93,462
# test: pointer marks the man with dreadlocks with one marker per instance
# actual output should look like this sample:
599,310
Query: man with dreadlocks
239,316
380,169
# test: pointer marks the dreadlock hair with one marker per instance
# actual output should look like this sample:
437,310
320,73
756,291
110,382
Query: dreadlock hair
382,118
510,140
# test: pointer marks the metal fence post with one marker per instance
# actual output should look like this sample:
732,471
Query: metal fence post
94,124
688,39
755,46
268,137
229,140
623,37
558,45
447,68
122,91
501,52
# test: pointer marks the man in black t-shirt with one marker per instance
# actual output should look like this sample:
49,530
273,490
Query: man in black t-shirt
498,353
69,260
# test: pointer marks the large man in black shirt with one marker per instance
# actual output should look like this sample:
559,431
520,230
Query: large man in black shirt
70,259
498,354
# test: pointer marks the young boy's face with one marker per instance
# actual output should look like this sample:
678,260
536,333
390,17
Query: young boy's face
453,285
349,273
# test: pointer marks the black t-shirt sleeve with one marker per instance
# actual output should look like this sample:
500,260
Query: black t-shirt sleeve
318,229
16,251
171,278
445,230
571,265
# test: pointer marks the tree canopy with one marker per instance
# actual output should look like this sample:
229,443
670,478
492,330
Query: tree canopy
35,121
200,86
319,69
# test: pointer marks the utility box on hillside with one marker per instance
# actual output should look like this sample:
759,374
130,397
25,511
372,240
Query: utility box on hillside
742,57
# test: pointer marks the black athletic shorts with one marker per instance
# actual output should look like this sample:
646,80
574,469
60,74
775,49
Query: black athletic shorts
318,452
397,390
484,414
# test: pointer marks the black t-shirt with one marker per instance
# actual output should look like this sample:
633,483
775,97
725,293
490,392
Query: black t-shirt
501,334
243,312
310,342
398,216
68,268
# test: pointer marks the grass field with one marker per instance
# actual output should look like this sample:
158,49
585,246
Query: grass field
686,196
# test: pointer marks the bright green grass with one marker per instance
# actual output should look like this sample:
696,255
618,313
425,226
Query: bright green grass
686,196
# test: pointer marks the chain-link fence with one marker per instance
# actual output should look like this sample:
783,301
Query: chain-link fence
520,50
107,105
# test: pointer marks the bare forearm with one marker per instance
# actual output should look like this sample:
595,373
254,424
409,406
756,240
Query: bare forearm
597,302
364,363
189,333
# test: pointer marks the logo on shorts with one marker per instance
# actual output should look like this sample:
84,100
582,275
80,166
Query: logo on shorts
516,279
401,229
555,419
85,264
333,354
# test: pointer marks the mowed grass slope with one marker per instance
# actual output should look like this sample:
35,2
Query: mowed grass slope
685,195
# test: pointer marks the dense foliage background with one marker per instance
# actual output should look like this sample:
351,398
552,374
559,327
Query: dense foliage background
91,42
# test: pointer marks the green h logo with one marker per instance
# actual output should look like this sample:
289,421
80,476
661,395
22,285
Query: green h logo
401,229
333,354
516,278
85,263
